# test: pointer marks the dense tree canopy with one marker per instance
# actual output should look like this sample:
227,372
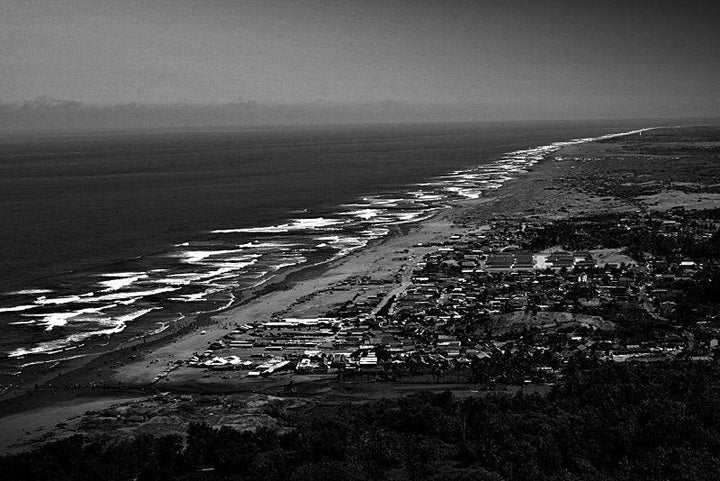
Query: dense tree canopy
619,422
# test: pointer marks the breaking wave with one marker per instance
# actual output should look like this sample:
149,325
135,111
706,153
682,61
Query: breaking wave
200,275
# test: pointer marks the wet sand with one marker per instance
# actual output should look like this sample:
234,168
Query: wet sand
133,370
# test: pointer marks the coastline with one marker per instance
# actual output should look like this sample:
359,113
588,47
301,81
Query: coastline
131,371
124,374
281,281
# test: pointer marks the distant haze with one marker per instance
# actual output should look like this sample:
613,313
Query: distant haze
181,62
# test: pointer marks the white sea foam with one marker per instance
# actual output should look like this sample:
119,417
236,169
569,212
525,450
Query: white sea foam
345,244
401,217
131,295
239,262
382,200
266,245
68,358
175,279
122,279
290,263
58,319
293,225
116,324
405,216
199,296
122,274
364,213
216,281
330,238
223,268
220,267
28,292
425,195
375,232
257,275
234,263
470,194
163,327
61,300
196,256
349,241
226,305
16,308
55,319
472,183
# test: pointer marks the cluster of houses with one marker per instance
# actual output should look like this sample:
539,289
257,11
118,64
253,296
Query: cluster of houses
484,305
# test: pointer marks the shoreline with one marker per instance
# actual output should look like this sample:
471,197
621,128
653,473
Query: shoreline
132,370
126,372
210,265
283,280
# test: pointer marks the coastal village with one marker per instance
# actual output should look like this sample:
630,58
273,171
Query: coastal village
608,260
511,301
359,240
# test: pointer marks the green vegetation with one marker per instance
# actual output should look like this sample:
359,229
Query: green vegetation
638,235
620,422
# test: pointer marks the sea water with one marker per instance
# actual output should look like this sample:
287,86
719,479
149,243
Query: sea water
107,236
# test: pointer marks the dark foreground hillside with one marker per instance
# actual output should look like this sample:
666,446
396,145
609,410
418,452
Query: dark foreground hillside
622,422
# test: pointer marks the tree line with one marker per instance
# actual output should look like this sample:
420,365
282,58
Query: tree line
614,422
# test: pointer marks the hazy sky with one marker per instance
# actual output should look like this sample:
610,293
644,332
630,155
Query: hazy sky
568,57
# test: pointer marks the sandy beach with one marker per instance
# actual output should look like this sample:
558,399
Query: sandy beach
136,369
132,371
153,366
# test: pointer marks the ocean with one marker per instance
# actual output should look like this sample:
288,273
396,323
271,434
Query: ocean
107,236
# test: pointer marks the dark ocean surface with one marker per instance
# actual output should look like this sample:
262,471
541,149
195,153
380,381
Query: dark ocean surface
120,233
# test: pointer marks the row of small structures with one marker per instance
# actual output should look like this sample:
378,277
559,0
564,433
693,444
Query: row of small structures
481,300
